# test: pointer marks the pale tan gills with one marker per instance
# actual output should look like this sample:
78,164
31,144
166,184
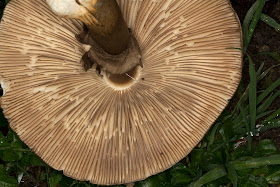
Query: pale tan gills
77,122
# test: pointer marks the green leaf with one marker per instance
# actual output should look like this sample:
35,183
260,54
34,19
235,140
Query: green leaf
268,81
54,179
25,160
3,141
226,130
10,155
66,181
264,106
212,135
179,167
267,147
238,153
256,162
262,75
271,88
165,176
252,94
246,22
249,31
37,161
43,176
261,171
196,157
251,180
263,114
270,21
232,175
211,160
210,176
181,179
273,175
152,181
243,172
271,124
6,180
10,135
272,116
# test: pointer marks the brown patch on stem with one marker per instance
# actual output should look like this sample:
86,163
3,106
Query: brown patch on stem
115,64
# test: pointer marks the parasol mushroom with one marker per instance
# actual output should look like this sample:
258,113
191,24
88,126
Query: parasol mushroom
113,128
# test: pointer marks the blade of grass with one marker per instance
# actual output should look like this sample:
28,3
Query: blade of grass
219,146
270,21
244,97
247,20
252,94
258,73
271,88
272,116
268,102
256,162
232,175
242,100
264,114
244,120
262,75
271,124
253,24
84,183
212,135
210,176
260,98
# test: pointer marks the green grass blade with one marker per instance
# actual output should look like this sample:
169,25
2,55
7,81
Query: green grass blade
247,20
270,21
259,72
264,114
244,97
212,135
253,24
260,98
272,116
268,102
244,121
232,175
271,88
242,100
256,162
210,176
271,124
263,74
252,94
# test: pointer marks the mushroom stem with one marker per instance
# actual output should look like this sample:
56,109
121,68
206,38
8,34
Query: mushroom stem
109,29
113,47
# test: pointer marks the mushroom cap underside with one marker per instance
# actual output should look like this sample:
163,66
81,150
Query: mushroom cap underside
76,121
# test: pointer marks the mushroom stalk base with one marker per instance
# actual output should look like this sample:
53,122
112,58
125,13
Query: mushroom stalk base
114,64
